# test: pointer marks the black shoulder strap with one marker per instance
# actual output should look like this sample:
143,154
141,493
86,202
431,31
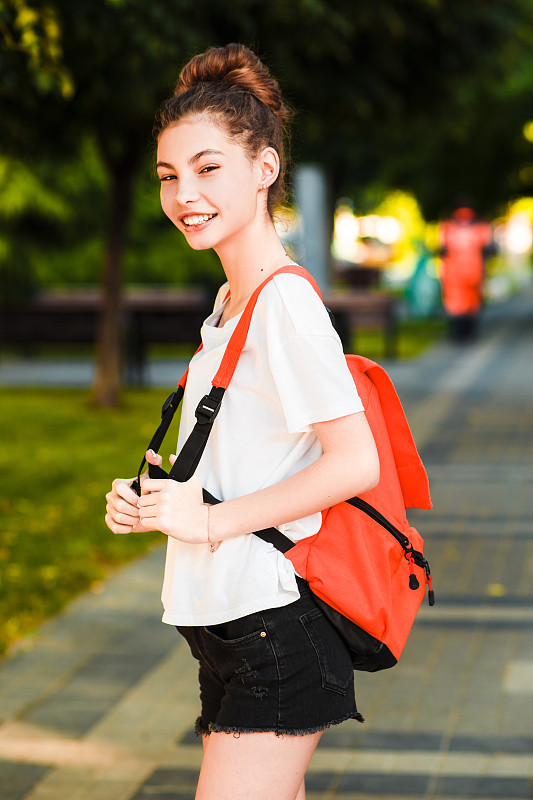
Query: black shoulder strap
170,406
270,535
190,454
209,406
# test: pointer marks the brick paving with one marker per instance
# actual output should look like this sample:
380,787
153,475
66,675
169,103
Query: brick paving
99,705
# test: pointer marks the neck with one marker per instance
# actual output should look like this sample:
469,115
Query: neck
248,262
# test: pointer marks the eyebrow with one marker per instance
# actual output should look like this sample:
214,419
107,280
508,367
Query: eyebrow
193,159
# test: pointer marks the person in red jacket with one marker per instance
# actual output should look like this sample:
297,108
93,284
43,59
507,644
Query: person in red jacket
465,242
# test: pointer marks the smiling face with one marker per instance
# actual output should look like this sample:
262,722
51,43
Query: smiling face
210,189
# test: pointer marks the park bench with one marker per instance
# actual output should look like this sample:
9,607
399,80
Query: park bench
354,309
166,316
149,316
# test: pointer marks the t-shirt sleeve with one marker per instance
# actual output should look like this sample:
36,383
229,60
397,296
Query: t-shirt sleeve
309,368
313,381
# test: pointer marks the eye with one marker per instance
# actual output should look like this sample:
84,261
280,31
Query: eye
208,168
164,178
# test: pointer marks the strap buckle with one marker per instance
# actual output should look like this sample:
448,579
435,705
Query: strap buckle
169,403
207,410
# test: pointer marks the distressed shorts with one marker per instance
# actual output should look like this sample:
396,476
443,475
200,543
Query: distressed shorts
284,670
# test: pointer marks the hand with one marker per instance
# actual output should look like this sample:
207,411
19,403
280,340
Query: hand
122,507
175,509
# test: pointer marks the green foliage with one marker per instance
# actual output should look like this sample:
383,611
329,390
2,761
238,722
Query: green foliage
387,93
388,78
24,193
35,33
476,149
381,89
430,96
51,221
53,540
52,228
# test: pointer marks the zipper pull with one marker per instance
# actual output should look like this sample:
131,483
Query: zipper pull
431,593
414,583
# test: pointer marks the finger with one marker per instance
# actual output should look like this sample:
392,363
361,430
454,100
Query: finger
154,458
155,485
172,458
148,500
123,519
194,489
116,527
195,482
122,506
147,525
144,477
122,487
147,514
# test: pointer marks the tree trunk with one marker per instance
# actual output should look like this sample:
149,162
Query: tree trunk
108,376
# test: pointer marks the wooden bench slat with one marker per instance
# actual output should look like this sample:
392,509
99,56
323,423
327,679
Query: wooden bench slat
160,316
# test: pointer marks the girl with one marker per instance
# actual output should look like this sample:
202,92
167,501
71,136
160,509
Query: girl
285,445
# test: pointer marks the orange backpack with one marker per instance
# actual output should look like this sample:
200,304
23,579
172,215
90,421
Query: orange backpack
365,566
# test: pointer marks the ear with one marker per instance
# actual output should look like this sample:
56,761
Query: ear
268,164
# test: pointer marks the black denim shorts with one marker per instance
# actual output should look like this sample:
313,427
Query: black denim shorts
284,670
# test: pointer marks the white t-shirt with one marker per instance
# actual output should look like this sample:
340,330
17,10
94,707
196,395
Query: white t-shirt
291,374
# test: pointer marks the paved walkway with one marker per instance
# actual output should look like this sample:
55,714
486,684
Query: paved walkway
100,704
79,372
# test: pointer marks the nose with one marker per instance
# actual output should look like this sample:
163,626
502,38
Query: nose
185,192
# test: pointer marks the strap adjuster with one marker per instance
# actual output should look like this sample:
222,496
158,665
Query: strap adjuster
207,409
168,403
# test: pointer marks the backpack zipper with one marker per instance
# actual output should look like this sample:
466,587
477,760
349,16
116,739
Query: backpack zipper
410,553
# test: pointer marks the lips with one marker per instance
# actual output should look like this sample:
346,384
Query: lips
193,220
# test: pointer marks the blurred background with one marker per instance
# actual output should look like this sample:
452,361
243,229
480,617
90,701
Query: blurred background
403,112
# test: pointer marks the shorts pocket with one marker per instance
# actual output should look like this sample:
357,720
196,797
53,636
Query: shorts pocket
333,658
240,654
236,633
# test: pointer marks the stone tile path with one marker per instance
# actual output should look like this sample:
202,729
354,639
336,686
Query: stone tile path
99,705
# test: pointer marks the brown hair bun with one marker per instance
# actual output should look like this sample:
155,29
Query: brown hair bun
234,65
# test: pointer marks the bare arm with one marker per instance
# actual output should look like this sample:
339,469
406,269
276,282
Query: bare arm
348,466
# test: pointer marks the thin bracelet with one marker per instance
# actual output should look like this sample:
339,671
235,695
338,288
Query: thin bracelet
211,544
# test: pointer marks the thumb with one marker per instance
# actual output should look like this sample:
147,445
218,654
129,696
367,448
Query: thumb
154,458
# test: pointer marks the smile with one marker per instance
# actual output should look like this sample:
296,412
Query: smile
196,219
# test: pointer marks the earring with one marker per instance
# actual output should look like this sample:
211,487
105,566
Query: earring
264,186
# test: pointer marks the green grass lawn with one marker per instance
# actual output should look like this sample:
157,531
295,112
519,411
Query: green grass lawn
59,455
414,336
58,458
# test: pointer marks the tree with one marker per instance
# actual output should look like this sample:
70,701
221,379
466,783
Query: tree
363,76
117,61
420,97
479,147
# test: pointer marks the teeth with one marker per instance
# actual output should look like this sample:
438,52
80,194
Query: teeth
197,219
